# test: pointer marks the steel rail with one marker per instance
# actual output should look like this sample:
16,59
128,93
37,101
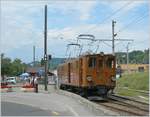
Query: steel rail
127,110
126,105
130,99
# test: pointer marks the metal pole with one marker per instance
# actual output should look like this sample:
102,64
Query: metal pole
128,57
33,56
45,48
113,37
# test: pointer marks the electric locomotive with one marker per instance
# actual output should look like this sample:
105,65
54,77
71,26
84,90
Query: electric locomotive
88,75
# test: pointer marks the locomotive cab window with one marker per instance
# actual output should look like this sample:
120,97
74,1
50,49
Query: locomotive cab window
101,63
110,63
92,62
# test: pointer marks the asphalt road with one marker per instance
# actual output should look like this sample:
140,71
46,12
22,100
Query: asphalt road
14,109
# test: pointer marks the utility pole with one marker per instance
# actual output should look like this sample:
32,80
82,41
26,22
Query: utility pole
33,56
128,57
113,37
45,48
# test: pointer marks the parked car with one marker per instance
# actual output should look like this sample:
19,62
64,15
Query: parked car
11,80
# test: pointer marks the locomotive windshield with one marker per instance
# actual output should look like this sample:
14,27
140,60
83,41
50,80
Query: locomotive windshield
92,62
109,63
101,63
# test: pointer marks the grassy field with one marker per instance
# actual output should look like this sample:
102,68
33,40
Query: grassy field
132,84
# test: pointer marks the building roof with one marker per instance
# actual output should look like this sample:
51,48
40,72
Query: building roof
34,69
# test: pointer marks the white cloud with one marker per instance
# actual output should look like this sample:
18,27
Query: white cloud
128,4
83,8
18,28
17,24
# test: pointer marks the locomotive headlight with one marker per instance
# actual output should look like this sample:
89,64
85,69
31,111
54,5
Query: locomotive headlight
113,78
89,78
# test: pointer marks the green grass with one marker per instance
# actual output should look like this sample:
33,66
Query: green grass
136,81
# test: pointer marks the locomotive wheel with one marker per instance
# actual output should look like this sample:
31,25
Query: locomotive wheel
85,93
61,87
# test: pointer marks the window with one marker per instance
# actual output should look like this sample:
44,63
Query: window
92,62
109,63
77,64
101,63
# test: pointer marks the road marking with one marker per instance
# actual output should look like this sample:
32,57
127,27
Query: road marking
71,109
55,113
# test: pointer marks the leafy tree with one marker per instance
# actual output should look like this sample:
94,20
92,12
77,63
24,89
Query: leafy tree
11,68
135,57
146,56
16,67
5,65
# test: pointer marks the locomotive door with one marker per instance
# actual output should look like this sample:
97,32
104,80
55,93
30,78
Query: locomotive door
100,68
80,71
69,74
92,66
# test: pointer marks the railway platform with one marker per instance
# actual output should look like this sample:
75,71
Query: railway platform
53,101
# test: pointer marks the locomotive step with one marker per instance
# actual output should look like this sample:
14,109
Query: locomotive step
96,98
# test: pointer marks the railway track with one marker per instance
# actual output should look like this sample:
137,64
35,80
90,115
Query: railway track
125,106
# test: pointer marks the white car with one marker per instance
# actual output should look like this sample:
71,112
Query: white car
11,80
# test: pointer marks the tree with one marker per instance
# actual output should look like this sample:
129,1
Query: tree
5,65
135,57
146,56
11,68
16,67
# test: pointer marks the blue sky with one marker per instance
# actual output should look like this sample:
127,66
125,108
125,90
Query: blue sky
22,25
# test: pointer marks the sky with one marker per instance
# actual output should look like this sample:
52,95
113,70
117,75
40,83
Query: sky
22,26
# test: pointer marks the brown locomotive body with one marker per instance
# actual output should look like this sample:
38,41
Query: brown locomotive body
89,74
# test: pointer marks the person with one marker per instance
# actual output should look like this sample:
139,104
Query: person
36,84
32,81
55,80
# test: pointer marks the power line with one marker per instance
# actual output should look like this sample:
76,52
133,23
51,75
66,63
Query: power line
132,22
115,12
107,44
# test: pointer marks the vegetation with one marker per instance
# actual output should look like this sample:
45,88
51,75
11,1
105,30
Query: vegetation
133,85
11,68
136,56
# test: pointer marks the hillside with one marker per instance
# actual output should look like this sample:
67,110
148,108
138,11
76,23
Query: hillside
54,62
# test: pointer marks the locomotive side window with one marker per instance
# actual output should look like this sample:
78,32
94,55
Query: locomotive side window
109,63
92,62
77,64
101,63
